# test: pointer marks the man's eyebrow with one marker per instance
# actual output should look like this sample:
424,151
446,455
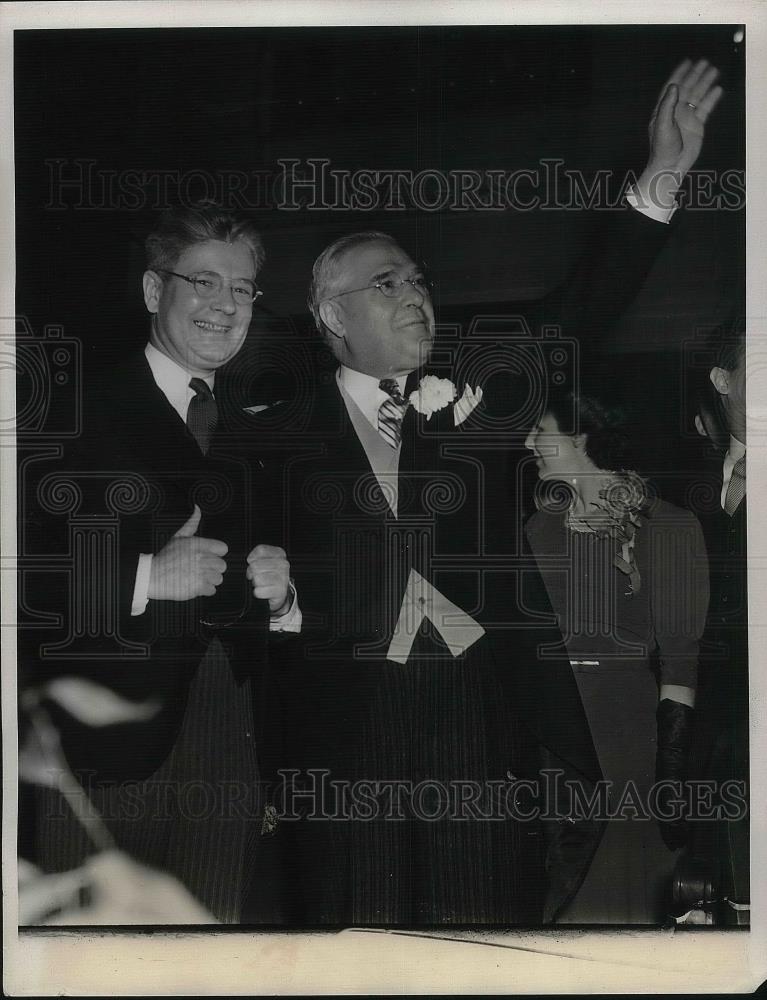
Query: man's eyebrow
394,269
383,274
208,270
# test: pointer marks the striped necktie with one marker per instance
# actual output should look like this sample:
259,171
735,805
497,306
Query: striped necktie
202,415
391,412
736,488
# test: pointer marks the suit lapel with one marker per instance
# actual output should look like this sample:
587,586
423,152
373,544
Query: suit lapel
141,409
346,457
420,461
344,446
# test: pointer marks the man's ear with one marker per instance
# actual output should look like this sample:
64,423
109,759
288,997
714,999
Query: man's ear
330,317
152,290
720,379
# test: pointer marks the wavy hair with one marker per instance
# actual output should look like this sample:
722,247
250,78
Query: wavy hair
606,426
185,226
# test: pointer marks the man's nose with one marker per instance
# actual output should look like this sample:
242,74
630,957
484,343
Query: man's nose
411,294
224,300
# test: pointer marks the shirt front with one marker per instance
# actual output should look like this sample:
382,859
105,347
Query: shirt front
174,380
366,391
363,397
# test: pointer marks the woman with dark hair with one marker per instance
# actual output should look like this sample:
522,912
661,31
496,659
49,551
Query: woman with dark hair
627,578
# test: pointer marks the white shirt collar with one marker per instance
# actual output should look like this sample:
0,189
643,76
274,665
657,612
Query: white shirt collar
365,391
173,379
736,450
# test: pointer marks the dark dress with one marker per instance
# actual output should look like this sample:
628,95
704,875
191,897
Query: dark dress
614,636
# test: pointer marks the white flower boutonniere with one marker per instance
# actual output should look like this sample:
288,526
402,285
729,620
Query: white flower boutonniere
431,395
435,394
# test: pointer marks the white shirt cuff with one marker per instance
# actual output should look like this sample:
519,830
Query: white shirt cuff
652,211
291,620
141,587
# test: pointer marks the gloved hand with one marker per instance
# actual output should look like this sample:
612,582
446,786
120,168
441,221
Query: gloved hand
675,722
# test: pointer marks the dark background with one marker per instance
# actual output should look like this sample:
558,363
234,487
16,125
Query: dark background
481,98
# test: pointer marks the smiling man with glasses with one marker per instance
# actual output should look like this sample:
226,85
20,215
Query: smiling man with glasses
171,620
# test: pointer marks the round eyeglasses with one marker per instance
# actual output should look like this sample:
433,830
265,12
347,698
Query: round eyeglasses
392,285
209,285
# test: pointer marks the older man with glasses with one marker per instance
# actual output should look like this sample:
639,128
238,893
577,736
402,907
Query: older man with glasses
422,703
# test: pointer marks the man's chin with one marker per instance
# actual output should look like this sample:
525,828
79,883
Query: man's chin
213,357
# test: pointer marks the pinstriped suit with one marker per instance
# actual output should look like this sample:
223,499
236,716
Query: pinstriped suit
179,791
435,719
488,714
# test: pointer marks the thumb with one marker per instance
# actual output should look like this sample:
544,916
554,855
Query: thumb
191,526
667,105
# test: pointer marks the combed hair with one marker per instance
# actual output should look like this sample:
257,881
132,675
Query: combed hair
185,226
327,268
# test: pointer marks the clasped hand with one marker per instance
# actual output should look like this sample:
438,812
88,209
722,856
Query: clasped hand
190,566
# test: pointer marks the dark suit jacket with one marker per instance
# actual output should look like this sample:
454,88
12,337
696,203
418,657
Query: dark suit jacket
460,525
126,486
456,526
721,740
724,651
346,702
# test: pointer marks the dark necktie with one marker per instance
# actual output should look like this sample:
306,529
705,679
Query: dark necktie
391,412
202,415
736,488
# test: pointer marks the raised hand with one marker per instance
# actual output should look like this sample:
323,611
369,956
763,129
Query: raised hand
677,125
676,130
269,572
188,566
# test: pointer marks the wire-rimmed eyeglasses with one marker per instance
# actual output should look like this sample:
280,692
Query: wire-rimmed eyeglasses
208,285
392,285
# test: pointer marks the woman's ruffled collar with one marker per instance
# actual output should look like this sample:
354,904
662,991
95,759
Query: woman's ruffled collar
623,502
